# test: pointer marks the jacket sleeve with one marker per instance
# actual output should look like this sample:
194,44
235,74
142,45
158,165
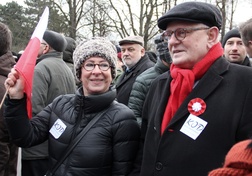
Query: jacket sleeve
24,132
125,142
137,98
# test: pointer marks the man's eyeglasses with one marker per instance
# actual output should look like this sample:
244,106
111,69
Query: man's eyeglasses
180,33
90,66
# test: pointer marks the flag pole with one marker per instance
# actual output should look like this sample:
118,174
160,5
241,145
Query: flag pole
4,97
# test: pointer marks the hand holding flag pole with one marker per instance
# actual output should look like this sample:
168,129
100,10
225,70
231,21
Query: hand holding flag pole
26,63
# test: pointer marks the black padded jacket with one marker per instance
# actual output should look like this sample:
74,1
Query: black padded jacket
109,148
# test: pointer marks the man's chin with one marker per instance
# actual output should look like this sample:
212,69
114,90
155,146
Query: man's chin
236,61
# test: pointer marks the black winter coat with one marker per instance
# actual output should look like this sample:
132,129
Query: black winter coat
226,89
126,80
109,148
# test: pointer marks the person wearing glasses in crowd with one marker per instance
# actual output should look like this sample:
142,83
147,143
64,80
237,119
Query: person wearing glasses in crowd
110,145
197,111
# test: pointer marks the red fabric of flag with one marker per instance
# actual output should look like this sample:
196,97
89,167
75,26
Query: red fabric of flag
26,63
25,66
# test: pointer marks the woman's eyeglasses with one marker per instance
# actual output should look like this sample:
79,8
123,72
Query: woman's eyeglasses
90,66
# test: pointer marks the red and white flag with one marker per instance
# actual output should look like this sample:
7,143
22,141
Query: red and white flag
26,63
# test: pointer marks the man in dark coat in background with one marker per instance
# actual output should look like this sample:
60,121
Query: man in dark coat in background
136,62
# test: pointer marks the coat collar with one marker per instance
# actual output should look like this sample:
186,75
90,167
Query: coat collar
214,74
54,54
246,62
134,71
94,103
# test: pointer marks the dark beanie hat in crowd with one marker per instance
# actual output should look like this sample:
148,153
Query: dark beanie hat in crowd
96,46
230,34
119,53
68,52
197,12
55,40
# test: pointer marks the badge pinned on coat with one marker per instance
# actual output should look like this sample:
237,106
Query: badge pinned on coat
194,125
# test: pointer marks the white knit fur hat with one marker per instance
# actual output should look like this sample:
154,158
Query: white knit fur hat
96,46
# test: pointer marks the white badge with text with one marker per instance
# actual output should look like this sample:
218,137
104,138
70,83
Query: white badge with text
57,129
193,126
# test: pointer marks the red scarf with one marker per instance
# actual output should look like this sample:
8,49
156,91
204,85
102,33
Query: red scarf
183,81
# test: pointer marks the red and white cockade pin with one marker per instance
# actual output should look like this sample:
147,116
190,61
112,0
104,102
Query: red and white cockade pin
197,106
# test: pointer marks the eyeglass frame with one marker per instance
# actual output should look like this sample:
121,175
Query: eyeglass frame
99,66
167,37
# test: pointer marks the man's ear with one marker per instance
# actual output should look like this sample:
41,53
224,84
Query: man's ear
142,52
46,49
213,36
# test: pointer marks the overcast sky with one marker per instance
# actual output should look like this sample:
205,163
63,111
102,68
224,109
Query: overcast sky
242,13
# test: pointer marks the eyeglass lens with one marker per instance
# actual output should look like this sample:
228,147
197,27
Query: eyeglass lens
91,66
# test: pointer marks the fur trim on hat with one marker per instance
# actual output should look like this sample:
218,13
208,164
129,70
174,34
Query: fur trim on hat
55,40
96,46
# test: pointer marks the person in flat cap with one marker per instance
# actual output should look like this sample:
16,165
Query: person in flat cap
52,77
197,111
135,61
89,132
234,49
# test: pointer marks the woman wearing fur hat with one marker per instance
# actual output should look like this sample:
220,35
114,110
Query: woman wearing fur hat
109,146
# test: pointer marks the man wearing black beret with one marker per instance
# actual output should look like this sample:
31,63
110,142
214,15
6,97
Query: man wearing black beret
52,77
197,111
234,49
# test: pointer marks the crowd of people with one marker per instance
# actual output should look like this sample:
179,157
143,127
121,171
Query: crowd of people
104,109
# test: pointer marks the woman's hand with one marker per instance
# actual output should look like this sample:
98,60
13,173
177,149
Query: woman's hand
15,85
